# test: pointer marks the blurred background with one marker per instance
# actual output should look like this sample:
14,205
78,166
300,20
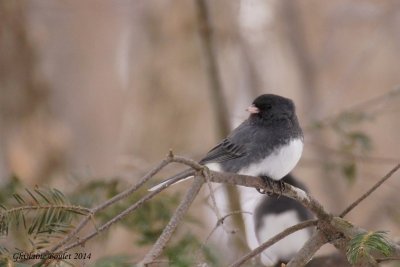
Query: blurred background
101,90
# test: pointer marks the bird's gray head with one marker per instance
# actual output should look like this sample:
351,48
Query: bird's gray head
270,107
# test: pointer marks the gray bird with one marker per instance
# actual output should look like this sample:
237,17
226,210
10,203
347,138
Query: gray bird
268,144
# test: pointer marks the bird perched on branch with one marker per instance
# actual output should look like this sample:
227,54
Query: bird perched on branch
268,144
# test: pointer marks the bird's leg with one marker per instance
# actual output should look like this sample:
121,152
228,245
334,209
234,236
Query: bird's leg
269,182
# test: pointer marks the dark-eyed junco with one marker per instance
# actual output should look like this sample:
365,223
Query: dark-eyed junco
268,144
273,215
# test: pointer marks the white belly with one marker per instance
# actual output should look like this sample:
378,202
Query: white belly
279,163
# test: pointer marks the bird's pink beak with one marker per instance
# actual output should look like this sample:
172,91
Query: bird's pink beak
253,109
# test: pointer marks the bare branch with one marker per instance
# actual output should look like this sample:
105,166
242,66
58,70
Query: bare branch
273,240
370,191
329,227
249,181
290,191
120,216
388,259
305,254
221,222
359,107
366,104
73,233
352,155
113,200
72,208
188,162
212,196
162,241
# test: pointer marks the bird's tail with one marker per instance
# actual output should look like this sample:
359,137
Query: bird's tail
182,176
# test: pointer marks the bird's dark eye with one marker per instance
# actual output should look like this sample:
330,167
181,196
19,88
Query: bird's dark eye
267,107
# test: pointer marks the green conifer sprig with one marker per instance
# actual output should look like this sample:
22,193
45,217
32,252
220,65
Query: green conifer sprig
362,247
44,214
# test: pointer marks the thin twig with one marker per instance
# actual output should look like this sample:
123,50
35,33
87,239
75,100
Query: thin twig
111,201
188,162
305,254
387,259
71,208
369,192
169,159
221,222
389,95
120,216
351,155
273,240
72,233
357,107
214,202
165,236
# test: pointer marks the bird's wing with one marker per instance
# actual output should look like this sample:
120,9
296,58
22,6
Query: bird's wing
226,150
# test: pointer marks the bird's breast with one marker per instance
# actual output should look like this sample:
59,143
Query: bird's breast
278,163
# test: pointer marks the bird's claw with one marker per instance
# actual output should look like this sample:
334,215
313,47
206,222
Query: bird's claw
261,191
272,184
268,182
282,187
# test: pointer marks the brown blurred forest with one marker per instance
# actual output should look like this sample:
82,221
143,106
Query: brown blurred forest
92,90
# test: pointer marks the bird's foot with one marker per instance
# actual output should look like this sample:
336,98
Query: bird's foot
282,187
269,183
272,184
